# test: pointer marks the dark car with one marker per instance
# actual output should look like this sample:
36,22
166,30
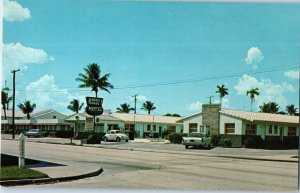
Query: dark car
34,133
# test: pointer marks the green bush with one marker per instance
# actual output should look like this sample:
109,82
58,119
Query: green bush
176,137
215,140
225,142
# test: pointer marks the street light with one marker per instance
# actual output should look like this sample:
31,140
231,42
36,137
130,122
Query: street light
13,112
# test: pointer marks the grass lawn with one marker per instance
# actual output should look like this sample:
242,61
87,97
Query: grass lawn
16,173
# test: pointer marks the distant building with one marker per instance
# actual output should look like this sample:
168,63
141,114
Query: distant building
239,126
46,120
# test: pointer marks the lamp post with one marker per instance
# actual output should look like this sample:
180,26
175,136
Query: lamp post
13,108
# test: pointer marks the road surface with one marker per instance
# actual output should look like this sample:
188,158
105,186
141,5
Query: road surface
153,170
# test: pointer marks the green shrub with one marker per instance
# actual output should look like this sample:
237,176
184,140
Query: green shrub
225,142
215,140
176,137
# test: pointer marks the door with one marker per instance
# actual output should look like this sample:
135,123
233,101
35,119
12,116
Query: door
281,133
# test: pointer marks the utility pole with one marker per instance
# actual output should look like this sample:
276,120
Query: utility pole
13,109
135,102
210,99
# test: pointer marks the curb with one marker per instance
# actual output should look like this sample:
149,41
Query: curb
49,180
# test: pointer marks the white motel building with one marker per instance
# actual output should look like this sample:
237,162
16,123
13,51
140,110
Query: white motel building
235,125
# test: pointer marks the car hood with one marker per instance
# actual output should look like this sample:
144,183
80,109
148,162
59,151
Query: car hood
192,138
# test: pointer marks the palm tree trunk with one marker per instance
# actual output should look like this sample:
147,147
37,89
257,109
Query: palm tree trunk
28,116
4,113
221,102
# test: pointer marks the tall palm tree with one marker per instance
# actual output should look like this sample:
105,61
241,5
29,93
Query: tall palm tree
75,105
27,108
291,110
223,91
124,108
148,106
252,92
92,79
271,107
4,98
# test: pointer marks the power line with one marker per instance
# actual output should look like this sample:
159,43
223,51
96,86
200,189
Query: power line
286,67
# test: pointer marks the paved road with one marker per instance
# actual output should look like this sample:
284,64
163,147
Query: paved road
151,170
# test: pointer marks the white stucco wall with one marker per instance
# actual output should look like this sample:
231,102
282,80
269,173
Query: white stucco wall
228,119
194,119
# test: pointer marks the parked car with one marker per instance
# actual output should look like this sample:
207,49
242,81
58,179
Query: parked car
34,133
196,139
115,135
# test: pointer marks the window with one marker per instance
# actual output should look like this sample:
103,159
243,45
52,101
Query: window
54,117
275,129
229,128
148,127
251,129
193,127
291,131
270,129
171,129
154,127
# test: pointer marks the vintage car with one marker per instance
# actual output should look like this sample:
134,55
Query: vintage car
196,139
115,135
34,133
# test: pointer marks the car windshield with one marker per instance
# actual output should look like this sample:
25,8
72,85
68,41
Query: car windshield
196,135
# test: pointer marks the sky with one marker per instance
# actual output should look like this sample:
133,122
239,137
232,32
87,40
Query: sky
173,54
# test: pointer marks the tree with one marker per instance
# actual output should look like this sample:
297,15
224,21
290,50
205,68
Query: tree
75,105
252,92
124,108
148,106
27,108
271,107
291,110
92,79
172,115
4,98
223,91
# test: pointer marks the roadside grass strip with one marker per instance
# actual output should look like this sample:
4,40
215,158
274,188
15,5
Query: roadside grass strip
16,173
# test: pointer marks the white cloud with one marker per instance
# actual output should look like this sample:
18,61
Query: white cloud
47,95
13,11
195,106
17,56
254,57
268,90
293,74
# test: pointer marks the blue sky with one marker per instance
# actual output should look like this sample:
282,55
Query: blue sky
199,44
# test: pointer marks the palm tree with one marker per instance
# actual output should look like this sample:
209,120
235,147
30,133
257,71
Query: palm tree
252,92
75,105
223,91
27,108
124,108
4,98
92,79
148,106
291,110
271,107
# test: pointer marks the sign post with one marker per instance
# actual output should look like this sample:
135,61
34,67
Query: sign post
21,151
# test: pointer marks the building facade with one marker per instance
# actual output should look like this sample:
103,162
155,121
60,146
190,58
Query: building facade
244,128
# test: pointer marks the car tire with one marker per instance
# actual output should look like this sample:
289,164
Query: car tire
186,147
118,139
105,139
126,140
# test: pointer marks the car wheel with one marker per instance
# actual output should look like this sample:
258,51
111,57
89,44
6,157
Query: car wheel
186,147
126,140
105,139
118,139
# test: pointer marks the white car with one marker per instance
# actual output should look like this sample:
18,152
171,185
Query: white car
115,135
197,140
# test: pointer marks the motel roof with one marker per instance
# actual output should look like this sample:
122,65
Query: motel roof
140,118
261,117
18,113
